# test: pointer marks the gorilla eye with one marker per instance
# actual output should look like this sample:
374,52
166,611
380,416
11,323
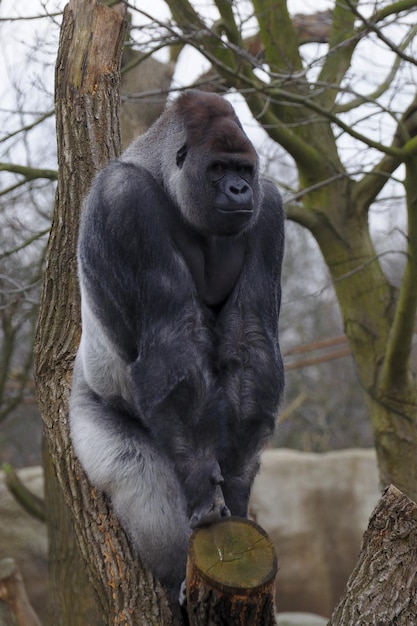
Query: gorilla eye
181,154
218,168
244,170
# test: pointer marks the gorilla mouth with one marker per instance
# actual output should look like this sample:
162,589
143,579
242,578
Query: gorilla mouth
233,220
236,210
236,205
232,209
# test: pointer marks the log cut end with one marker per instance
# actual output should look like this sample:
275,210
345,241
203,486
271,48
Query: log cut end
231,573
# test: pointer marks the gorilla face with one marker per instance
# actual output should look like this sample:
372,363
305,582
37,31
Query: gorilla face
216,182
218,196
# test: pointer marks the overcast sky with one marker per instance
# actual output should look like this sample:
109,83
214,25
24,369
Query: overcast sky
31,83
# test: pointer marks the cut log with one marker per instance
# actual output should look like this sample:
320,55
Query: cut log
382,589
231,573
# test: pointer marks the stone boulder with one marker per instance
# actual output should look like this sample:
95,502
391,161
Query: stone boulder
300,619
315,508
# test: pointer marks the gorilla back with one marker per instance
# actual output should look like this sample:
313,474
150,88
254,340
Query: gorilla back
178,375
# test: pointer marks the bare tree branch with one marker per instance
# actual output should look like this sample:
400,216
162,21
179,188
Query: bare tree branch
30,173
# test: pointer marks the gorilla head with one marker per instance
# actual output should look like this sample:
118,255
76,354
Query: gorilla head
216,177
207,164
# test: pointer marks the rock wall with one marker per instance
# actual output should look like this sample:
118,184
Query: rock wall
315,508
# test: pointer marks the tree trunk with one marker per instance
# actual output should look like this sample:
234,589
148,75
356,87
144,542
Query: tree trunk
368,304
71,597
231,573
382,589
87,105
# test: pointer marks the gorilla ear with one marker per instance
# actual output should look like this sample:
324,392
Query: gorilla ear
181,154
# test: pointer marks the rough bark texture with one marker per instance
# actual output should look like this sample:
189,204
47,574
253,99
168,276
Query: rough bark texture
231,573
87,104
382,590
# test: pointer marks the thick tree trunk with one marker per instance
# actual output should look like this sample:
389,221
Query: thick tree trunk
87,104
395,434
368,305
382,589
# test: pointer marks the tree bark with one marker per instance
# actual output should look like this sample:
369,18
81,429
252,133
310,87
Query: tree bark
382,589
88,134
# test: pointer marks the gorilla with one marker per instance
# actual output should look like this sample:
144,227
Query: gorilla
178,375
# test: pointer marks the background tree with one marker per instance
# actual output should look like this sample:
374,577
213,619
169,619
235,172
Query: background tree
310,109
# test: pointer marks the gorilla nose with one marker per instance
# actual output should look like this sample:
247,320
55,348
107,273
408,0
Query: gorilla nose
240,196
238,188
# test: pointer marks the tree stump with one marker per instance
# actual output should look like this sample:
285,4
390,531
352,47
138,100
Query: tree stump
231,573
382,589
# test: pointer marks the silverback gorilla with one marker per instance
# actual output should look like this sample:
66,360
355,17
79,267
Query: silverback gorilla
178,375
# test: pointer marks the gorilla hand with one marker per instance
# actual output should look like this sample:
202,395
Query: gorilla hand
206,502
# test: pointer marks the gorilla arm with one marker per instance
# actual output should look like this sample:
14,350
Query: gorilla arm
137,289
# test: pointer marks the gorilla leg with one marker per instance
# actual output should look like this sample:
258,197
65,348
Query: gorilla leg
145,493
189,433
